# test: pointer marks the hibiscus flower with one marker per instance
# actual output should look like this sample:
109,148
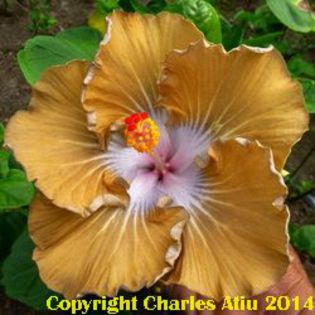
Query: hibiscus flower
160,160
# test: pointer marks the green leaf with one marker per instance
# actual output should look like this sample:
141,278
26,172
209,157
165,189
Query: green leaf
264,40
304,239
97,20
202,13
156,5
232,35
300,67
301,186
292,229
309,94
20,275
261,19
42,52
4,163
293,15
106,6
11,226
139,7
41,21
15,190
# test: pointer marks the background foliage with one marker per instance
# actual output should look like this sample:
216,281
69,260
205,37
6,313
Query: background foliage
289,25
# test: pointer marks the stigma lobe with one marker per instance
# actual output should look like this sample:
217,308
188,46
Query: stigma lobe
141,132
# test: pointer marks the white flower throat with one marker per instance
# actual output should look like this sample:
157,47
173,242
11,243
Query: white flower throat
157,161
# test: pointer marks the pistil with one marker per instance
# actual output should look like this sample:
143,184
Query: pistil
142,133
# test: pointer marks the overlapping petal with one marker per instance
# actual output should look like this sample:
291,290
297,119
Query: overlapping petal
128,64
235,241
52,142
109,250
246,92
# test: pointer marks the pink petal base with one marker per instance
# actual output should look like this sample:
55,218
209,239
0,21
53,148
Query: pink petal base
178,176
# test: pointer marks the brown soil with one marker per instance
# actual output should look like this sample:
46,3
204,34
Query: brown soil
14,31
15,93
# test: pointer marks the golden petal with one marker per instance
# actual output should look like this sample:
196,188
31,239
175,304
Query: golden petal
246,92
295,283
235,242
52,142
128,65
109,250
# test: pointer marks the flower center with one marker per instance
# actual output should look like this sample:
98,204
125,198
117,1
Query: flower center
158,160
142,133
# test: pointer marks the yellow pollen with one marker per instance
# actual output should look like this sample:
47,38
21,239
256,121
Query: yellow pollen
142,133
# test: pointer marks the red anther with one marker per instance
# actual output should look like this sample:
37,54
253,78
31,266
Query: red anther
144,115
131,127
128,120
136,118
